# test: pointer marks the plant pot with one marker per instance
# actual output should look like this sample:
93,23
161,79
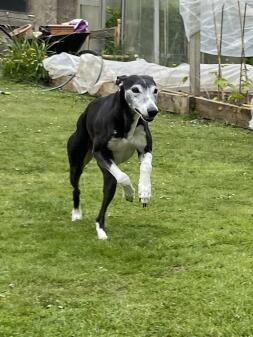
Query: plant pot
23,32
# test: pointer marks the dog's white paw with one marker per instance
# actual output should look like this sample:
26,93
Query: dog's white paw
251,124
100,232
129,192
144,194
76,214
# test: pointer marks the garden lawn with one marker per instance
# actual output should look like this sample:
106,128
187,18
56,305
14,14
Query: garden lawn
183,267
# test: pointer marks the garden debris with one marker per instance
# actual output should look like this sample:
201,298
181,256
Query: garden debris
4,92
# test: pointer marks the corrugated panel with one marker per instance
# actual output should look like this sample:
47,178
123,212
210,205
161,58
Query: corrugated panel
95,3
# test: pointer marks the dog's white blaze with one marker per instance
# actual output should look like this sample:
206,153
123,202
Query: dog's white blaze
143,101
123,148
144,186
76,214
100,232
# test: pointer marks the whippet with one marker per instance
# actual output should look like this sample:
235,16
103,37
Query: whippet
111,129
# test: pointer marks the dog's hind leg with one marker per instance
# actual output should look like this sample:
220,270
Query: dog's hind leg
79,155
109,189
75,173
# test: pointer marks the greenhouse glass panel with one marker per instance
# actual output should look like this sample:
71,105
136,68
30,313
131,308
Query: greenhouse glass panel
148,33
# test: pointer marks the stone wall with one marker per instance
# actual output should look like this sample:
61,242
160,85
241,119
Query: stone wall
67,10
44,11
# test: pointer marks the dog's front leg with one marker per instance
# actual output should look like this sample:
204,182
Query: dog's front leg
144,186
120,176
123,179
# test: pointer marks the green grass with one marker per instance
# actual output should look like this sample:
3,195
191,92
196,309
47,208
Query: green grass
183,267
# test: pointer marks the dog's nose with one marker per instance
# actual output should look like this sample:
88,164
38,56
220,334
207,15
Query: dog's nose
152,113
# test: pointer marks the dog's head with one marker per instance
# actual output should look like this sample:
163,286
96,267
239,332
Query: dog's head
140,93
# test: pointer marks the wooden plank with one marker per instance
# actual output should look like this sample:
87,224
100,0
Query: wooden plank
182,103
174,102
102,33
117,37
219,111
123,13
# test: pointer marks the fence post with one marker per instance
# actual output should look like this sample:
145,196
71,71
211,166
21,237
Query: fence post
117,36
194,61
156,31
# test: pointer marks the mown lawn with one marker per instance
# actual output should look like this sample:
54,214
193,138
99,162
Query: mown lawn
183,267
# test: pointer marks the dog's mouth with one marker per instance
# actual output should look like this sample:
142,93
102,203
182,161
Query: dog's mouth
145,119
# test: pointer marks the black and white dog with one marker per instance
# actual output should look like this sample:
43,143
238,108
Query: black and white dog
111,129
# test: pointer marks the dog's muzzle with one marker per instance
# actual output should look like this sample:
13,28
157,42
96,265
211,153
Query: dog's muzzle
151,115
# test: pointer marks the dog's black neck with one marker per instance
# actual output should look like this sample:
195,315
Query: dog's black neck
125,116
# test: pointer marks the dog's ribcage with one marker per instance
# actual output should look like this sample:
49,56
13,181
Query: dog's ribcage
123,148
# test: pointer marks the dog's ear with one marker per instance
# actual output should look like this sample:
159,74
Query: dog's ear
120,80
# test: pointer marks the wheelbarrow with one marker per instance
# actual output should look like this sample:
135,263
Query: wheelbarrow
60,38
70,43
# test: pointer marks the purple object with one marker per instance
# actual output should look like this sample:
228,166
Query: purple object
80,25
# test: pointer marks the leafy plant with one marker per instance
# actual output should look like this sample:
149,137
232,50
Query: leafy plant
221,82
247,85
236,96
113,16
110,47
23,61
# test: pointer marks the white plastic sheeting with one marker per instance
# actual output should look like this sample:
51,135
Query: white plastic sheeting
62,64
198,15
89,77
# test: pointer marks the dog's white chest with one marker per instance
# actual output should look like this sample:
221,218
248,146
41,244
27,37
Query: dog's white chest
123,148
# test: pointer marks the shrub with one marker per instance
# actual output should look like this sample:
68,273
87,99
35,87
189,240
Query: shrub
110,48
22,61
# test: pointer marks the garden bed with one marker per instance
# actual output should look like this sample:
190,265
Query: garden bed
174,101
182,103
221,111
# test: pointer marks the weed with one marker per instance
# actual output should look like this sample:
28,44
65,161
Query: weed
23,61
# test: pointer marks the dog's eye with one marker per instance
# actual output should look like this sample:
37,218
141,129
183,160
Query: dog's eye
135,90
155,91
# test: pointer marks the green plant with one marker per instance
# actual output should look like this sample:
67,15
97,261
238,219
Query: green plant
247,85
110,47
23,61
236,96
113,15
221,82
